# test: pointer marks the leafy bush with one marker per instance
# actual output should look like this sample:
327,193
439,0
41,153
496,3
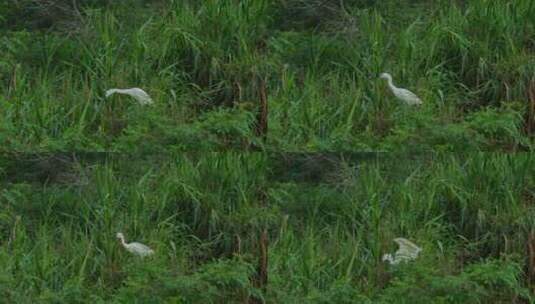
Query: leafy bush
492,281
497,126
215,282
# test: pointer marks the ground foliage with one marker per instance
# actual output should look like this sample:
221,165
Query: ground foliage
342,170
202,62
329,217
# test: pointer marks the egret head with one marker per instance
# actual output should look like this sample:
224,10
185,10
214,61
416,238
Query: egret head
120,235
385,76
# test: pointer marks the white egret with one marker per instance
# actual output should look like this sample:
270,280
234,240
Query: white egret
134,247
141,96
407,251
405,95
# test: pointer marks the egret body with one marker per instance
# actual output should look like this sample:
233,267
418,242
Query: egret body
134,247
407,251
141,96
405,95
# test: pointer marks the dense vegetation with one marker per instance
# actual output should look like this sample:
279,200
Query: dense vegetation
329,219
204,61
181,175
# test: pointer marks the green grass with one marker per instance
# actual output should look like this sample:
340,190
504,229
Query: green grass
181,177
202,61
328,230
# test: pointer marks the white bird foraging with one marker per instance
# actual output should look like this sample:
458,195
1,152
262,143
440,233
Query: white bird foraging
134,247
141,96
407,251
405,95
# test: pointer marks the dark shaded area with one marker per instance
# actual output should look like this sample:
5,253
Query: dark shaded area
313,167
51,14
42,14
300,15
44,167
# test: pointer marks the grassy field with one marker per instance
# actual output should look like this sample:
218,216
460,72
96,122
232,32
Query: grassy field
329,218
203,63
299,212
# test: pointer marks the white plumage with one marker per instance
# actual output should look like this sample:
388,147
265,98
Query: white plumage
141,96
405,95
407,251
134,247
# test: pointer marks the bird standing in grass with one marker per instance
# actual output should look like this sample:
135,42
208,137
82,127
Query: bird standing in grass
405,95
407,251
134,247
